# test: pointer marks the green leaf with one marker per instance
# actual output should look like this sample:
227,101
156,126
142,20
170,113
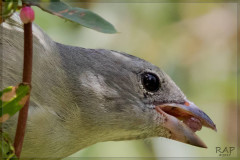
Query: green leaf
12,99
8,8
78,15
6,147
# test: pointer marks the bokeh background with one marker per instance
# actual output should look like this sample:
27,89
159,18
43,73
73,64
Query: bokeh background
195,43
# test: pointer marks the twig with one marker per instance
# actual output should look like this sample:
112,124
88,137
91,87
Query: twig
1,12
27,76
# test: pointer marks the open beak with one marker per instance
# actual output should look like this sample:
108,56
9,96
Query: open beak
183,120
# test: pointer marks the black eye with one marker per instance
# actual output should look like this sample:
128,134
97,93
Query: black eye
150,82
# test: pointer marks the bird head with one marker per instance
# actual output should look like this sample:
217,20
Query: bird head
125,97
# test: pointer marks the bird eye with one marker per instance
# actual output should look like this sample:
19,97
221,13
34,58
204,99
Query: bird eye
150,82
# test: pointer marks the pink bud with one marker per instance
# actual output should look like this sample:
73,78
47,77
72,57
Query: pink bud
27,14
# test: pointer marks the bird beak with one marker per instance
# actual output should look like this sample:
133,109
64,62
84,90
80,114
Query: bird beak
182,120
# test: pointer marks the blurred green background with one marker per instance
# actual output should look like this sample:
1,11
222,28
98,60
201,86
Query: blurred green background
195,43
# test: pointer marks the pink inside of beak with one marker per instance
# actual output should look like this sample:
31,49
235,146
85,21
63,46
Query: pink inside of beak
187,118
193,123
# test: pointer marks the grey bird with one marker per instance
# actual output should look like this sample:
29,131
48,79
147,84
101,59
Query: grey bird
84,96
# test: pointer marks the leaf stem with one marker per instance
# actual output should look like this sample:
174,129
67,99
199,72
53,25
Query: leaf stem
27,77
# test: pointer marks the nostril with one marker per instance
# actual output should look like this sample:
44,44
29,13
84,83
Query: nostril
186,103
